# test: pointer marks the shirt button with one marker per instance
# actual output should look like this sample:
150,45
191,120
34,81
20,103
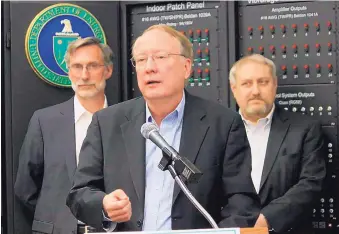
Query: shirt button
139,223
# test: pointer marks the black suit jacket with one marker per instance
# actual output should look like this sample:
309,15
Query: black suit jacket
293,172
213,137
47,163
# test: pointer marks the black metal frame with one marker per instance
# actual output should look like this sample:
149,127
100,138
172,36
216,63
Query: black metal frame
6,122
233,45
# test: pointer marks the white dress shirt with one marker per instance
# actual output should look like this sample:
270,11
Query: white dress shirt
82,119
257,135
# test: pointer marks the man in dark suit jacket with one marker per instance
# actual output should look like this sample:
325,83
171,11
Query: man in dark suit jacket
287,148
49,154
114,176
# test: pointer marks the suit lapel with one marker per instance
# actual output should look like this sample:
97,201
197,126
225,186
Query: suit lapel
277,134
135,147
66,128
193,133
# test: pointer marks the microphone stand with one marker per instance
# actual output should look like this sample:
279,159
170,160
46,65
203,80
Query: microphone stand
166,163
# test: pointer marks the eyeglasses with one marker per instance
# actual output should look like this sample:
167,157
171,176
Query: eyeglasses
91,67
158,58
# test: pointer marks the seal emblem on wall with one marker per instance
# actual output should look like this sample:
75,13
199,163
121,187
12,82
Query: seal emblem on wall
49,34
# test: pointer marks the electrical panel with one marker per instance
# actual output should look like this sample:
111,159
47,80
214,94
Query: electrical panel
315,101
325,213
301,37
302,40
198,21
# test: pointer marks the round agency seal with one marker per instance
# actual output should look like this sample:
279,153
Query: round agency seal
49,34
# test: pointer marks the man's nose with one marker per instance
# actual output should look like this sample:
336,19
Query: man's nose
150,65
84,73
255,89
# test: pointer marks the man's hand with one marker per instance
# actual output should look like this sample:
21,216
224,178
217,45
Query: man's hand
117,206
261,221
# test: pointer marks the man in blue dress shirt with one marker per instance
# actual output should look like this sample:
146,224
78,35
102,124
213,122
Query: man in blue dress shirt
118,174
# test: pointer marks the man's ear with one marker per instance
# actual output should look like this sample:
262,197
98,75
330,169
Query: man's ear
109,71
233,87
188,67
275,81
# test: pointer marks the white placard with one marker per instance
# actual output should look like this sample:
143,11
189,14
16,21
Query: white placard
200,231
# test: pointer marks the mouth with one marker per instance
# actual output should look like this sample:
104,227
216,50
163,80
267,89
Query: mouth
152,82
85,85
256,102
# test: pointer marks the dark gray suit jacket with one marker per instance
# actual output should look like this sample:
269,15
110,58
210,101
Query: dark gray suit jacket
213,138
293,172
47,164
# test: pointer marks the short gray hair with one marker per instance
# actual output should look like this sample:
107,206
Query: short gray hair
254,58
107,52
186,45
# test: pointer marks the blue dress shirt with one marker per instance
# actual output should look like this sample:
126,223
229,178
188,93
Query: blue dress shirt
160,184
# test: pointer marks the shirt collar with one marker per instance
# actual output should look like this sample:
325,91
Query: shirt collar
79,110
178,112
267,119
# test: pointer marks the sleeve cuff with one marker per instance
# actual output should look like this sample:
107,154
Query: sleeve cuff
107,224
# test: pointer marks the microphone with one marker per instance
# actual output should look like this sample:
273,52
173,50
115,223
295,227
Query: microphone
182,165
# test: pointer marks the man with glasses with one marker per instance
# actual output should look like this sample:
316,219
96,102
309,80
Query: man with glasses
50,152
119,174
